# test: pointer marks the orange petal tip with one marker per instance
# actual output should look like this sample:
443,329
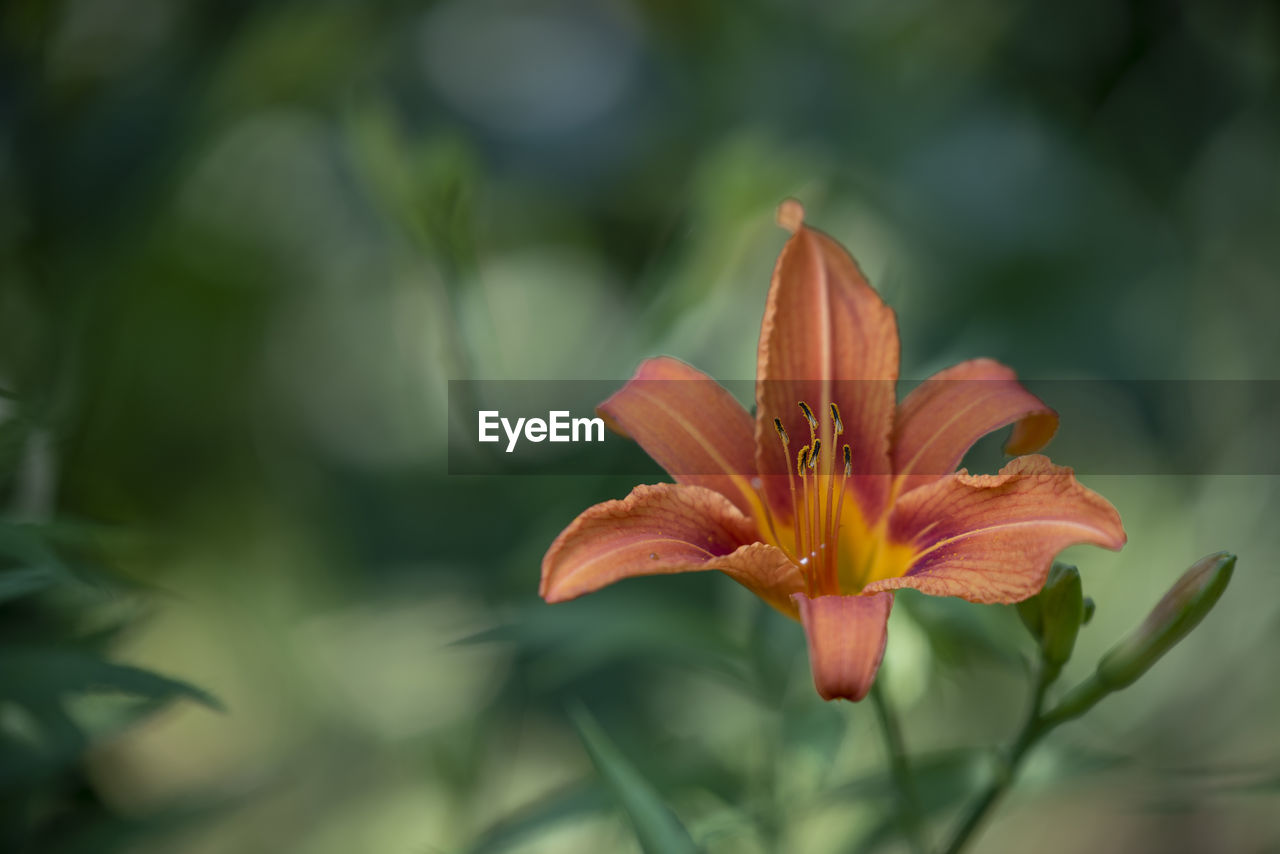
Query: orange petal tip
846,636
790,215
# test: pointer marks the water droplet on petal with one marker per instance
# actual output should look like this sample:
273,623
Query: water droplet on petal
804,561
653,555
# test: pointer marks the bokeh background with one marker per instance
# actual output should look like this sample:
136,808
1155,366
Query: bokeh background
244,246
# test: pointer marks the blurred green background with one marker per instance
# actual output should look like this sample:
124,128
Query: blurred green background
243,247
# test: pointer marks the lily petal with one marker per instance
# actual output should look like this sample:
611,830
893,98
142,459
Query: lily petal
846,637
690,425
826,337
664,529
992,538
941,419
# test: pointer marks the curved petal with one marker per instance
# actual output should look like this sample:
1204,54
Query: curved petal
690,425
941,419
846,637
664,529
992,538
826,337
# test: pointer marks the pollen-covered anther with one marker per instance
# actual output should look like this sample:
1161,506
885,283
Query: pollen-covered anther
848,460
782,432
813,456
808,414
811,418
836,424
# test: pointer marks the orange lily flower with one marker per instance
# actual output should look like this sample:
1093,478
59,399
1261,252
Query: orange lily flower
835,495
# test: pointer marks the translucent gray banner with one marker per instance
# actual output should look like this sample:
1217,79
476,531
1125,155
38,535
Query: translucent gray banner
1107,427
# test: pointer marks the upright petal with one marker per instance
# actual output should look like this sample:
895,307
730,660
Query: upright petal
846,637
826,337
664,529
690,425
941,419
992,538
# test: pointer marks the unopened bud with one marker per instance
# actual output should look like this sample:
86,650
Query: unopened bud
1180,611
1063,613
1032,615
1053,616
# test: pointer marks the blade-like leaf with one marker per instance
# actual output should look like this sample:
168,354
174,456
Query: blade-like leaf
575,800
942,780
657,827
16,583
38,674
25,547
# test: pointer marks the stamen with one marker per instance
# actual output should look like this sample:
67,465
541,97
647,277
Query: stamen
813,422
817,522
782,432
830,524
808,414
791,481
848,461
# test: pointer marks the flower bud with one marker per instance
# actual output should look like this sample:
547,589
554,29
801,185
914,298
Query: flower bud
1046,612
1032,616
1032,610
1180,611
1063,612
1054,615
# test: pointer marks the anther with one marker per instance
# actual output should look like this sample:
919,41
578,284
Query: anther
848,461
802,459
808,413
835,418
782,431
813,457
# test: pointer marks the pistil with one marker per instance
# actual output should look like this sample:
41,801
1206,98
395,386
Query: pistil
802,519
829,530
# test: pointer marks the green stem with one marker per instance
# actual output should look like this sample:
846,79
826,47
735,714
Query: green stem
996,789
1079,700
908,803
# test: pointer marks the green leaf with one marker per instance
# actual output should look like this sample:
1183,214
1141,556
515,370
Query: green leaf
23,545
574,800
16,583
942,781
657,827
36,675
646,628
